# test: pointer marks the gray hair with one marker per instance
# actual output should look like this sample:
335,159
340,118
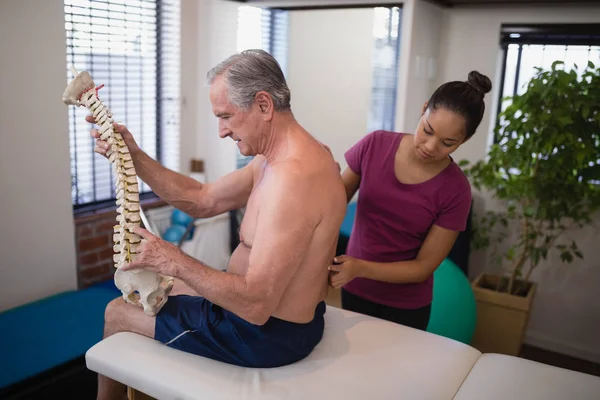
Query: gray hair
249,72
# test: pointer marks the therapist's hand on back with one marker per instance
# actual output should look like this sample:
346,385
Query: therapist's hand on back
343,270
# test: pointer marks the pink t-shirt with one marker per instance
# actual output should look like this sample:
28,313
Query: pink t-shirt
392,218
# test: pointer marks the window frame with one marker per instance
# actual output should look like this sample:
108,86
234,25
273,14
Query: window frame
388,118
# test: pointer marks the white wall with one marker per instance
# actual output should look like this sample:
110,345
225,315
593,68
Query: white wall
329,74
215,39
37,246
190,73
566,311
420,47
208,35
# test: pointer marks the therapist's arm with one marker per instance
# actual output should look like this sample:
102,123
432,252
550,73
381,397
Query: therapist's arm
435,249
351,182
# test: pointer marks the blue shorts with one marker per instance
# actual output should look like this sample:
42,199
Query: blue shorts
195,325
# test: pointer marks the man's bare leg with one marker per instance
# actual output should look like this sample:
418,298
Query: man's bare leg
121,316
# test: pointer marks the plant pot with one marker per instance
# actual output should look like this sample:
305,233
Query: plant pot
501,317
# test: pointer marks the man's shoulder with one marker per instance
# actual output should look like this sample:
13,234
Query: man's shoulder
285,168
303,177
257,161
292,174
287,189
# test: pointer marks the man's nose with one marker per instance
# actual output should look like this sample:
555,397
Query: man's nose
223,131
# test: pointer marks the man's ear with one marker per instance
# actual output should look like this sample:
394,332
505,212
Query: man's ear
424,107
265,105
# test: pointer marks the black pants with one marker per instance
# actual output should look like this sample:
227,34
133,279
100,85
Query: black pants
416,318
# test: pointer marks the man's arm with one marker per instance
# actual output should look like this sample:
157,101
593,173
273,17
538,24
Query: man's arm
435,249
284,229
192,197
183,192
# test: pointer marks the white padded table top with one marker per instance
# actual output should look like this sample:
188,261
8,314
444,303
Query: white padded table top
500,377
359,357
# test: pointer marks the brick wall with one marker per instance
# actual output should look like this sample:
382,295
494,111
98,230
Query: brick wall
94,245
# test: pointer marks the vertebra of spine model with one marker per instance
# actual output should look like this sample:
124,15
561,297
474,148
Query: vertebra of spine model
144,288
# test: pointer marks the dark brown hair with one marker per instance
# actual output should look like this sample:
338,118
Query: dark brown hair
464,98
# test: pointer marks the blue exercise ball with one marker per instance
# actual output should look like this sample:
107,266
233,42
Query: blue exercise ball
174,233
453,310
179,218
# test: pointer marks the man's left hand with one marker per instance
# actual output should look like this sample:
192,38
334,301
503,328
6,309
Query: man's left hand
155,254
344,270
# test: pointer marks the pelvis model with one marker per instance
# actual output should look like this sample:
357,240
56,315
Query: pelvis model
143,288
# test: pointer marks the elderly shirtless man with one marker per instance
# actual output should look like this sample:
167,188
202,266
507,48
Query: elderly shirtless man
267,309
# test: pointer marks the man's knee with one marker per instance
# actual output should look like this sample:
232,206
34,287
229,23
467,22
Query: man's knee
120,316
113,316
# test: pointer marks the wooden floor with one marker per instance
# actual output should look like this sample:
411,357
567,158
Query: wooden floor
560,360
528,352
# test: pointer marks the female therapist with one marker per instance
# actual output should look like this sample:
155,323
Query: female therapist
413,202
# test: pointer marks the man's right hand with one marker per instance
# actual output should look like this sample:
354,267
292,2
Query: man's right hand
102,146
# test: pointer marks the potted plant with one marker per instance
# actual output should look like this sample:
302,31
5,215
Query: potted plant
544,169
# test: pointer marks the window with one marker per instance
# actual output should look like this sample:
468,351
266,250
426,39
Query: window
386,34
266,29
132,48
529,46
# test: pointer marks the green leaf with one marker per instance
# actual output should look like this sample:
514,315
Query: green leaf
529,211
566,256
565,120
535,256
585,112
510,254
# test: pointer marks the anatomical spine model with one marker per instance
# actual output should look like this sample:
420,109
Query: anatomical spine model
144,288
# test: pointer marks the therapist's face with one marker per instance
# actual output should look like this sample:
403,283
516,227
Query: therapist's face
439,133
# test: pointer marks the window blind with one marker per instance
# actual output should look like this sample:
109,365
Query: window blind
132,48
387,25
266,29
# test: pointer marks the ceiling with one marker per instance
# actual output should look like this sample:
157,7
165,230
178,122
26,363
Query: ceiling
450,3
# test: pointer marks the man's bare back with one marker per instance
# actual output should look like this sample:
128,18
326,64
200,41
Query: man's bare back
315,178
